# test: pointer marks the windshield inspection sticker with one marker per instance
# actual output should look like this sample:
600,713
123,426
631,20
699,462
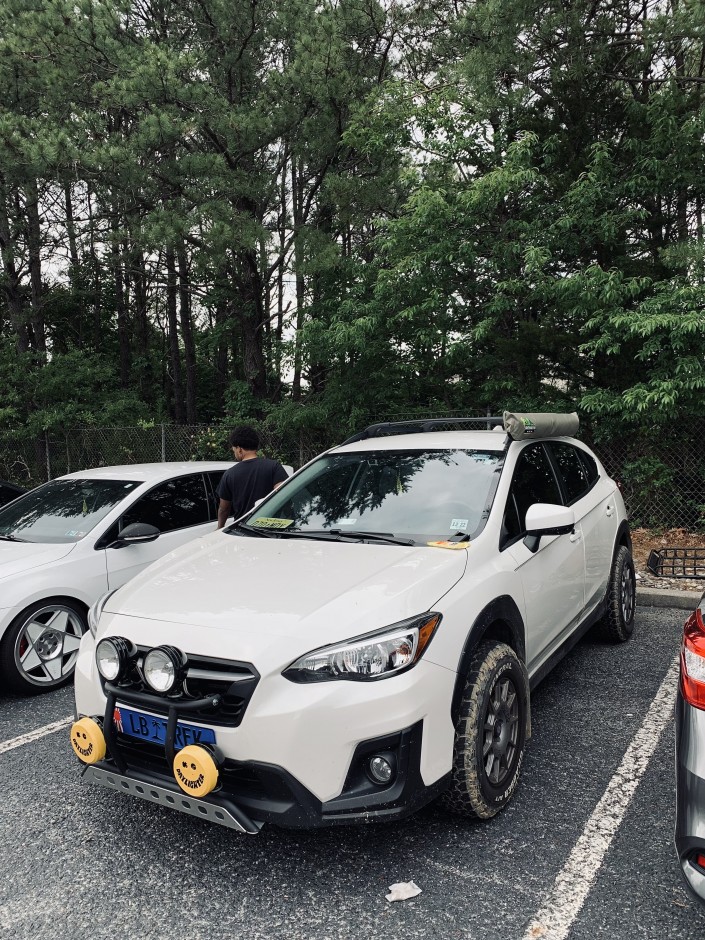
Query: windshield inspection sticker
459,524
265,522
346,522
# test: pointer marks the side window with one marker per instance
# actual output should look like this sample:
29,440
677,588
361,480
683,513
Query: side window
7,493
511,527
214,478
533,482
572,469
593,474
176,504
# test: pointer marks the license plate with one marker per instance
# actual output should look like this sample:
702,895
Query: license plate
153,728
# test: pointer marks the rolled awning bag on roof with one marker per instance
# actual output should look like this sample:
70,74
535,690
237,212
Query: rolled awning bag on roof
521,426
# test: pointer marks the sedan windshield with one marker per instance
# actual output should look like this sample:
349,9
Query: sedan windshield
61,511
411,495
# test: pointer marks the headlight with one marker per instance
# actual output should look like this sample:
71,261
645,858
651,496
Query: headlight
113,657
373,656
164,668
97,609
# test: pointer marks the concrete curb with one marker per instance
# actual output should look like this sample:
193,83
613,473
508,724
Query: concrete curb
658,597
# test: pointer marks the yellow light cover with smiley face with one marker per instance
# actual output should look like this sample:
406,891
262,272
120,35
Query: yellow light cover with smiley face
87,741
195,770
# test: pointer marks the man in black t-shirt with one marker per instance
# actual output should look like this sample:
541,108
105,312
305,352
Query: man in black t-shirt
250,479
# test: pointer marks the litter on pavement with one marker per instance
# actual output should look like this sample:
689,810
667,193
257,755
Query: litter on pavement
402,891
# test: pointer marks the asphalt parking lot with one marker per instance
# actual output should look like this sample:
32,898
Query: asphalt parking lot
79,861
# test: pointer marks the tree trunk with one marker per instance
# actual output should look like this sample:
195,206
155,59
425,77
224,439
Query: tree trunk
174,351
11,280
251,320
121,307
296,202
187,335
34,242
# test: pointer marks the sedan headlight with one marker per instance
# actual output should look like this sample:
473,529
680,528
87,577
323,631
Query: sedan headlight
97,609
372,656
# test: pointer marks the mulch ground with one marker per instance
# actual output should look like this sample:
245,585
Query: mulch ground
644,540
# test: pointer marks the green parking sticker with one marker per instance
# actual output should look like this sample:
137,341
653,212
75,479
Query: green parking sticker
267,522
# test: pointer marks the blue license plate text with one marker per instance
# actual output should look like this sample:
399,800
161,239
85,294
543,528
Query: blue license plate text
153,728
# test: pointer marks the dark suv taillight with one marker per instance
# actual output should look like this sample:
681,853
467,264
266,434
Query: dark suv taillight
693,658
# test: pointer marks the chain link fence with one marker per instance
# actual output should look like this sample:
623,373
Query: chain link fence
30,461
662,476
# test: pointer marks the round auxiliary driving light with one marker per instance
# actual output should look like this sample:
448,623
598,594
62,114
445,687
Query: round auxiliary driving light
113,657
380,769
164,668
195,770
87,740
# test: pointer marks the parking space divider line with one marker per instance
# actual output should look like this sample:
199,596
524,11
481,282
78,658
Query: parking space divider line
30,736
575,880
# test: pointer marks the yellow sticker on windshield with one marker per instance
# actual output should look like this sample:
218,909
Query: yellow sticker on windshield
265,522
444,544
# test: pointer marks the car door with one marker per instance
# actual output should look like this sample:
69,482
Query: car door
179,508
592,499
553,576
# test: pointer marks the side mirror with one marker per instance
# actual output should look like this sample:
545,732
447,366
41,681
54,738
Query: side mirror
135,534
547,519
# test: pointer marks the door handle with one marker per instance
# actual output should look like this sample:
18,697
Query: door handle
574,536
609,510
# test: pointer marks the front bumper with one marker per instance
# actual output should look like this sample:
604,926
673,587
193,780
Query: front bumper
690,793
252,793
298,755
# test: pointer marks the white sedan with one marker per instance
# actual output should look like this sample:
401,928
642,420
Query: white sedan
66,543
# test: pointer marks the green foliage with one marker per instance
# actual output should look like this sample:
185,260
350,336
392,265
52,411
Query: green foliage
310,215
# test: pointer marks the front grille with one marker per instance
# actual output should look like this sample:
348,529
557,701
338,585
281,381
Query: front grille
233,681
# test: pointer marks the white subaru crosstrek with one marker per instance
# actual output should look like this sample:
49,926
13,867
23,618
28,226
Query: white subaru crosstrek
364,640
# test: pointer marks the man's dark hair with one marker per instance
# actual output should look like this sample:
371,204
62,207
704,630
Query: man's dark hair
244,437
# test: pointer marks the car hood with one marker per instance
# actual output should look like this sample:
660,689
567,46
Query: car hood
288,588
18,557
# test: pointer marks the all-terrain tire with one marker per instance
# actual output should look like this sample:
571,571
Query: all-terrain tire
617,625
490,733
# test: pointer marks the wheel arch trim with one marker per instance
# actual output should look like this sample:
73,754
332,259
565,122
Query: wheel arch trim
500,620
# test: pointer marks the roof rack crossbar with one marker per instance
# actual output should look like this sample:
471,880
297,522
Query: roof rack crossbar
419,425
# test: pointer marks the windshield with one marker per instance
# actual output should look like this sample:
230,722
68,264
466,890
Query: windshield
417,495
63,510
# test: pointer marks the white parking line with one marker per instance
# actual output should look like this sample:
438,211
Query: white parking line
34,735
573,883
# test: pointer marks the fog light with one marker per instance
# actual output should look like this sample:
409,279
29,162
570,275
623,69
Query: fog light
113,657
87,740
195,770
164,668
380,769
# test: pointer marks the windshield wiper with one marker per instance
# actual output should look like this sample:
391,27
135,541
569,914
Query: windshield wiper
372,537
253,530
12,538
322,535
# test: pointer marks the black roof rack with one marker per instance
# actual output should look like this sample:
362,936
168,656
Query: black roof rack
421,425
